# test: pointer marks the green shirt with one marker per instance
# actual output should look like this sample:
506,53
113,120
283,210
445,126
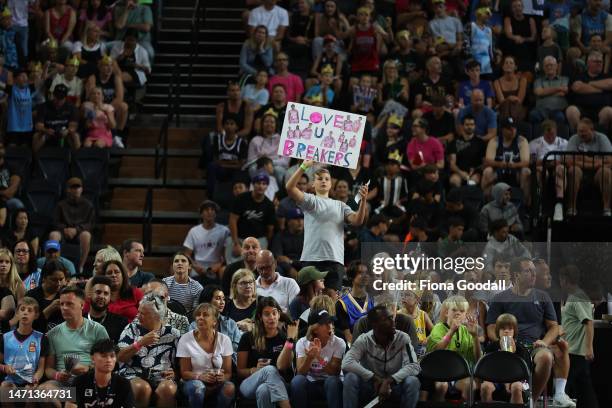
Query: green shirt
462,341
63,340
576,312
138,15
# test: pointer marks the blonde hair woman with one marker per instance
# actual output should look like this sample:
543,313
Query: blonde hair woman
241,307
102,256
9,276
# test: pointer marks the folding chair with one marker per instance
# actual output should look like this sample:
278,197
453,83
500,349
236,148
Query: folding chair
445,366
502,367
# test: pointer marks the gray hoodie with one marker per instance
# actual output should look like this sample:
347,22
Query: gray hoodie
366,358
496,210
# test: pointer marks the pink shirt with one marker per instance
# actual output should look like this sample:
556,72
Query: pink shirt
431,150
292,83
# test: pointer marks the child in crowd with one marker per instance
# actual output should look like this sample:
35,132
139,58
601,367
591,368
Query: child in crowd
558,13
324,220
472,69
265,165
322,94
364,95
506,329
24,349
330,58
393,191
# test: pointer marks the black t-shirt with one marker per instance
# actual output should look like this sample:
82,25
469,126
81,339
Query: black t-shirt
408,62
41,324
254,216
6,172
342,173
439,127
9,239
55,117
470,153
274,346
236,314
118,394
44,345
114,325
428,89
592,100
301,26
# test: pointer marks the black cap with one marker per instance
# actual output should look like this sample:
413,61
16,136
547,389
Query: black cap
319,317
508,123
454,196
60,91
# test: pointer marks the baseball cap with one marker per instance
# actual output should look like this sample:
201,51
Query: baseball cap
508,123
309,274
209,204
52,245
294,214
329,39
319,317
259,177
60,91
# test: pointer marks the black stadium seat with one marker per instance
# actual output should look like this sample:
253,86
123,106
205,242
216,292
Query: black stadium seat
41,199
91,165
444,366
54,165
502,367
19,159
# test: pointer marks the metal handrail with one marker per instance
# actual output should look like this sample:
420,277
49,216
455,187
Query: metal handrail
561,157
147,224
199,16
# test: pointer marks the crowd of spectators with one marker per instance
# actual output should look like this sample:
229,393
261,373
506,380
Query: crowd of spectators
263,303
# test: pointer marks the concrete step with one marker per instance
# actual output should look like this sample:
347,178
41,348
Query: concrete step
202,60
159,265
187,110
190,98
177,138
177,12
186,195
182,22
220,89
204,35
153,182
163,234
216,76
224,11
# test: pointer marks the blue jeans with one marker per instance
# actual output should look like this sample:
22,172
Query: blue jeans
537,115
195,390
355,388
266,386
21,40
304,391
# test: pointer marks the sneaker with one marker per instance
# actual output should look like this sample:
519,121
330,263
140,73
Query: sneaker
564,401
607,212
558,216
117,142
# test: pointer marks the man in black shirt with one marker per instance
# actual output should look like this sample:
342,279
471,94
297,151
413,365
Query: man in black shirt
57,122
98,312
441,122
252,215
465,155
101,387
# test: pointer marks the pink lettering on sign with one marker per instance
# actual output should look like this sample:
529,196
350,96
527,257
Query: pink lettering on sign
339,157
339,121
309,152
288,148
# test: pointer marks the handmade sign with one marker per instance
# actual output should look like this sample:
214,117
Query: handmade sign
323,135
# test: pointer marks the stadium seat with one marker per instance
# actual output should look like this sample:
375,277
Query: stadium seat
444,366
525,129
91,165
41,199
19,159
53,166
502,367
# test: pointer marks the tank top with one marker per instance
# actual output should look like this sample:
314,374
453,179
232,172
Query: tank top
228,152
353,309
419,324
240,113
59,25
510,154
481,40
593,25
22,355
108,87
20,110
365,53
92,56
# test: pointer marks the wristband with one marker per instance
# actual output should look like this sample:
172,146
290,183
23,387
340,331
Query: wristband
137,346
304,167
289,345
447,338
56,376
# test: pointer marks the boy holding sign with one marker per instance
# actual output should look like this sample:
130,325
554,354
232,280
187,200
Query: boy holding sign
324,220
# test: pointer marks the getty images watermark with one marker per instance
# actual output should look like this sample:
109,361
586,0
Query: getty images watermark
410,264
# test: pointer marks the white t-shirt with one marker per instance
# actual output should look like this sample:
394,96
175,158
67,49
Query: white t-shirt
75,86
200,359
334,348
283,290
207,245
323,228
541,147
19,10
272,19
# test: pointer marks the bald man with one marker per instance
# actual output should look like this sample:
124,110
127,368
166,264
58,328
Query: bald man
485,117
271,283
250,248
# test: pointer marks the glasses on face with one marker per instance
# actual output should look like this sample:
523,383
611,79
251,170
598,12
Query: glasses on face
245,284
22,251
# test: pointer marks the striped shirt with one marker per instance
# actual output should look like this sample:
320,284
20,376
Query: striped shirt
187,294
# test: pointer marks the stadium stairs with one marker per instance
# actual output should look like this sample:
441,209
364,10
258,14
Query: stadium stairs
142,203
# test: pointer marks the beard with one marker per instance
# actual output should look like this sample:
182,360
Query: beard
98,308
